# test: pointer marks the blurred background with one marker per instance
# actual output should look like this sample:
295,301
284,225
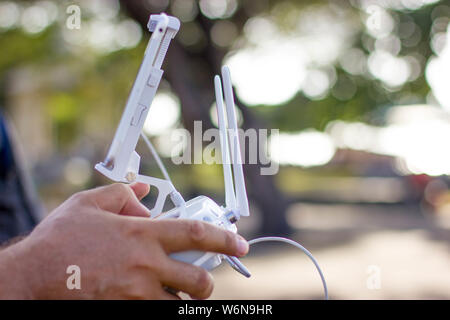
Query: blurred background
358,89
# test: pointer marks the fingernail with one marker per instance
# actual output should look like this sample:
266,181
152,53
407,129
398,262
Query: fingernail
242,246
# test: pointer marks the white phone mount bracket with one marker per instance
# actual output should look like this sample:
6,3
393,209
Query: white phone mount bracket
122,161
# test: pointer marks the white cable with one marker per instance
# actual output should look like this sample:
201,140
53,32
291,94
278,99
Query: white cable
295,244
156,156
176,197
257,240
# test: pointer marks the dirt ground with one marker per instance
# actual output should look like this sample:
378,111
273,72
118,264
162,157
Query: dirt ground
366,252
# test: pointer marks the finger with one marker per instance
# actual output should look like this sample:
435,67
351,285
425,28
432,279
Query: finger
180,235
119,198
140,189
165,295
190,279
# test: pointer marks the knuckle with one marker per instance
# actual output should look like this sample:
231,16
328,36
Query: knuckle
122,189
136,258
197,230
79,197
137,291
132,229
230,242
204,284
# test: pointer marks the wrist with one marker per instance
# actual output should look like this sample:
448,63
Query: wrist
13,279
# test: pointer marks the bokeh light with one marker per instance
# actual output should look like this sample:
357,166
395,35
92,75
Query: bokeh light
185,10
9,14
163,114
438,74
417,134
218,9
34,19
306,149
317,39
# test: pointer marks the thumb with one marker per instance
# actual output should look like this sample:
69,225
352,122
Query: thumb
140,189
122,199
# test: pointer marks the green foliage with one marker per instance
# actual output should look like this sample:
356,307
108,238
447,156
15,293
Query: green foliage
104,80
62,107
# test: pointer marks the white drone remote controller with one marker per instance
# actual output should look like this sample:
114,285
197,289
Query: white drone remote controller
122,161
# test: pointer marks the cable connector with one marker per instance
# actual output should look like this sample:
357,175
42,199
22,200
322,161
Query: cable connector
232,216
177,199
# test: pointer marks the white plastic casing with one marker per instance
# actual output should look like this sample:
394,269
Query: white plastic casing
173,23
204,209
122,161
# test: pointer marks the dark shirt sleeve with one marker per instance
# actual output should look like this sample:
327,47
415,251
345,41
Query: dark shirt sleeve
18,215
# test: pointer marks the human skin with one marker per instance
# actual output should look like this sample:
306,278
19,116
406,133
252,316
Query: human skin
121,253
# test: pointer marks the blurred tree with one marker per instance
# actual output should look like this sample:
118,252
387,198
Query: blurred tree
97,78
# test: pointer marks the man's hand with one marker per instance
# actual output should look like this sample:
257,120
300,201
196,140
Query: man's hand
121,253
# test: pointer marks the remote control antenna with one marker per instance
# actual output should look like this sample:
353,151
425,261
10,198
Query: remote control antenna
230,198
239,182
